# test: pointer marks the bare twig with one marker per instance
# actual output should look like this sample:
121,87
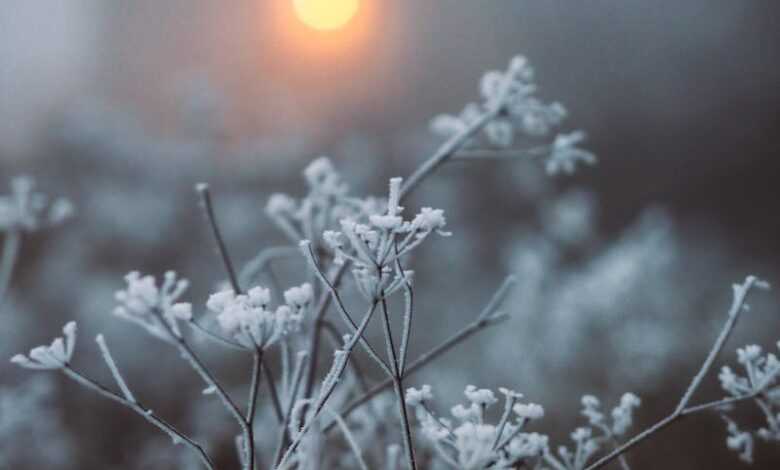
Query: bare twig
737,307
11,242
488,316
205,196
143,411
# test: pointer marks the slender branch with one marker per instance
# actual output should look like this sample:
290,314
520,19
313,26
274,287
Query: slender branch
737,307
300,367
326,393
249,438
309,254
205,197
447,150
398,386
337,341
273,392
488,316
143,411
316,333
11,243
502,154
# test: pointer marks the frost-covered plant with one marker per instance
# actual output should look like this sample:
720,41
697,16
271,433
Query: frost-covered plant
371,239
25,210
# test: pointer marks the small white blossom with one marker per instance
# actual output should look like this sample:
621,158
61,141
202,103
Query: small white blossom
480,396
248,319
565,154
528,411
415,397
28,210
622,415
154,308
55,356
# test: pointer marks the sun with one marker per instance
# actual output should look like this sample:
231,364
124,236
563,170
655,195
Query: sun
326,15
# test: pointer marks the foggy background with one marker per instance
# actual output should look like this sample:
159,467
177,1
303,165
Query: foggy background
123,106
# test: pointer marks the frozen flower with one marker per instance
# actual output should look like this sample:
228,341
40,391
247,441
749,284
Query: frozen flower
28,210
470,413
565,154
474,444
154,308
55,356
748,354
429,220
510,394
323,178
415,397
299,296
480,396
528,411
386,222
622,415
280,205
740,441
249,320
527,445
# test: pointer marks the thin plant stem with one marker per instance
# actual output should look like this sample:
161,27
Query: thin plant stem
273,392
336,341
11,243
398,386
300,367
309,254
328,391
316,332
489,316
741,292
249,439
205,197
143,411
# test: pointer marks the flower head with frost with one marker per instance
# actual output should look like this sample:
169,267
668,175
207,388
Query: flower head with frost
509,96
476,443
375,247
249,319
565,154
55,356
326,203
623,414
415,397
528,410
154,308
28,210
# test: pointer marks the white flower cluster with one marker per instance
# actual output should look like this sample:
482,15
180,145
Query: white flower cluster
511,91
762,373
510,94
586,441
326,204
373,247
154,308
248,319
470,442
565,154
55,356
28,210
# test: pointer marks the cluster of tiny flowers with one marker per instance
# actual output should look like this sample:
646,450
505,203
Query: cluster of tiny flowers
154,308
511,93
468,442
248,319
565,154
326,203
373,247
760,381
28,210
586,440
55,356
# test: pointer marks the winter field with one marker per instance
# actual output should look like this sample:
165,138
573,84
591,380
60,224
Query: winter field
308,234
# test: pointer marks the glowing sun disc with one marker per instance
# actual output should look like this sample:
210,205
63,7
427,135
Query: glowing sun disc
326,15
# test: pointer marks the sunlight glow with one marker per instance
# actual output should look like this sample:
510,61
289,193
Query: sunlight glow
326,15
